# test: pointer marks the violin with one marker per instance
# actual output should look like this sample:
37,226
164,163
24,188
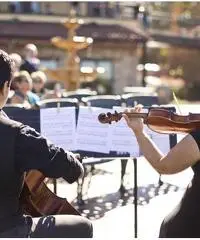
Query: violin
159,120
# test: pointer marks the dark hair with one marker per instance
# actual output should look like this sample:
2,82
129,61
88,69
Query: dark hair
6,68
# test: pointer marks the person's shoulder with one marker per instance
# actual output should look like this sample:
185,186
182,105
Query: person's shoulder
27,66
16,98
24,62
33,98
32,94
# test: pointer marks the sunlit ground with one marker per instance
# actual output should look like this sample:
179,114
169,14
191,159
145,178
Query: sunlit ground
112,213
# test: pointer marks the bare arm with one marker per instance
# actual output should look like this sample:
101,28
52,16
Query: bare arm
183,155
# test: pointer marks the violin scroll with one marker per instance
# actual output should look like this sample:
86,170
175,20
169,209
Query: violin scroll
109,117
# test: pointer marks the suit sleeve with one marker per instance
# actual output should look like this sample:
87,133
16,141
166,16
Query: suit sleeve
34,151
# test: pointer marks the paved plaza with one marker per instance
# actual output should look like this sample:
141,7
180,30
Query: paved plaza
112,213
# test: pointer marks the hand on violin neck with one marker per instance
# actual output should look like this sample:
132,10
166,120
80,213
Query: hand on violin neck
136,124
78,156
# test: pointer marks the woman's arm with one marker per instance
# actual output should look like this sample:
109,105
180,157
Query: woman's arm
183,155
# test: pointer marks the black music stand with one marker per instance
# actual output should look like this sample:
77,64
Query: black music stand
135,194
135,191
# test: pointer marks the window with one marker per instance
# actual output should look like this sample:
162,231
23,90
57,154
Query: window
29,7
14,7
35,7
102,9
49,64
88,63
103,83
100,65
94,9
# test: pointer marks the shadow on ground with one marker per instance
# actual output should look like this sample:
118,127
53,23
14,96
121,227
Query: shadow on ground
95,208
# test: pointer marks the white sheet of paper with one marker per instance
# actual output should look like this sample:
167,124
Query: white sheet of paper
188,108
185,110
122,137
162,141
59,126
91,135
180,136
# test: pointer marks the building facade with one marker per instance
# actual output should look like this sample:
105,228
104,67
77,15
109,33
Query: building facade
116,46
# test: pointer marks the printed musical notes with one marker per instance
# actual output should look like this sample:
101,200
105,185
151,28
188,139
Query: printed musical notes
91,135
162,141
123,139
59,126
185,110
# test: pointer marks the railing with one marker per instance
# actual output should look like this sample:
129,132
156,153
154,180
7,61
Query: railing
160,21
106,12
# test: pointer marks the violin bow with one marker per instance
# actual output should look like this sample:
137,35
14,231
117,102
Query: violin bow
177,103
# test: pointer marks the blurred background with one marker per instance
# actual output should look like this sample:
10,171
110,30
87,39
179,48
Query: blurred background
134,43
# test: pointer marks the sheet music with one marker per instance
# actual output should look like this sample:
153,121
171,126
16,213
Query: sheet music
123,138
188,108
185,110
91,135
161,140
59,126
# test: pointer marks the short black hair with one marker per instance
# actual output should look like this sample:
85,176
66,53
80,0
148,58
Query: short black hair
6,68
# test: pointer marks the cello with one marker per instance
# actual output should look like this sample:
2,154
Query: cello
38,200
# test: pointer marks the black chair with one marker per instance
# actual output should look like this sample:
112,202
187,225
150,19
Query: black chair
14,105
79,94
145,91
18,113
58,102
131,100
13,109
103,101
